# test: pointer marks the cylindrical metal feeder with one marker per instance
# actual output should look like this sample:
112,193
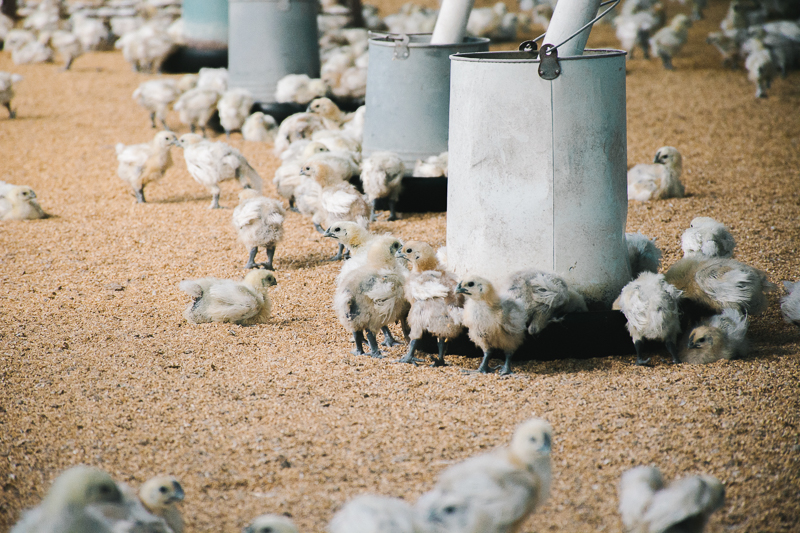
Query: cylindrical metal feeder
408,94
269,39
205,27
537,168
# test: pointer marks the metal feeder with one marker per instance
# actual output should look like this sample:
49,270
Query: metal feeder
205,26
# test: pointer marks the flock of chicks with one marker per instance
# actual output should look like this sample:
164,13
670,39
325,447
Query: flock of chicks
489,493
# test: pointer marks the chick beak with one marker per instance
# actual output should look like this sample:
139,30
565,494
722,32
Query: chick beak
328,232
400,255
178,497
547,445
657,158
461,290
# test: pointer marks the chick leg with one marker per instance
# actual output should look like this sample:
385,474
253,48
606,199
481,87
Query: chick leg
673,351
227,134
358,338
506,370
292,206
374,351
251,261
153,119
484,368
388,340
406,329
666,60
374,216
164,123
140,195
193,128
442,343
639,360
11,114
215,201
409,357
392,214
203,129
270,257
318,228
338,256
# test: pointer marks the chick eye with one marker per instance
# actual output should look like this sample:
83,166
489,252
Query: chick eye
408,250
162,490
471,284
450,509
104,489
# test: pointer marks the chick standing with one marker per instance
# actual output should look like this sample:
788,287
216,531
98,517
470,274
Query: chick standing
234,108
668,41
18,202
159,496
156,96
140,164
221,300
707,238
68,45
659,180
500,488
196,106
259,221
493,321
650,305
646,506
722,336
375,514
270,523
259,128
790,304
382,177
7,81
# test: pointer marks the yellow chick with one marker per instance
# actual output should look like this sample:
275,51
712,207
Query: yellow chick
243,302
159,496
722,336
18,202
659,180
140,164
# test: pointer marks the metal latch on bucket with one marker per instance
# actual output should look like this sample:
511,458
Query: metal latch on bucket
549,69
401,47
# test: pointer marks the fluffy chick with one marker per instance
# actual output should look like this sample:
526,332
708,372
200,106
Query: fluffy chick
159,496
211,163
493,321
299,88
668,41
68,45
259,221
643,254
7,81
790,304
497,490
635,29
433,167
375,514
156,96
382,177
541,295
243,302
18,202
707,238
259,128
234,108
140,164
659,180
270,523
325,107
760,65
722,336
300,126
435,305
650,304
372,296
646,506
196,106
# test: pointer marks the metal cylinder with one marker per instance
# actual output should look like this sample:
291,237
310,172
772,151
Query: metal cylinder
205,24
569,16
537,169
451,24
269,39
408,94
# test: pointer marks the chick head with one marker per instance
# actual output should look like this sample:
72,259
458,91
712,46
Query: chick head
698,222
165,138
188,139
79,486
668,155
705,340
314,147
21,194
248,194
160,491
320,172
532,439
382,250
347,233
324,107
475,287
260,278
271,523
420,254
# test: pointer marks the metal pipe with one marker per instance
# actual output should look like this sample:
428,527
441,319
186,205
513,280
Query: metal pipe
451,25
568,17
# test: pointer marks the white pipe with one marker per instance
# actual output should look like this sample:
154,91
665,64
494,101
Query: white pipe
451,25
568,18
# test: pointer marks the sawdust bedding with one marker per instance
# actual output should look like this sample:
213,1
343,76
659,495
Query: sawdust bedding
99,367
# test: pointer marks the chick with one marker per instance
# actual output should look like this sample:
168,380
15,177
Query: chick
270,523
325,107
259,221
259,128
33,52
707,238
372,296
721,336
147,47
7,81
435,305
68,45
659,180
790,304
18,202
156,96
541,295
243,302
299,88
433,167
493,321
382,177
646,506
300,126
343,163
375,514
196,106
213,79
500,488
210,163
719,283
129,516
643,254
635,29
339,141
668,41
234,108
761,69
159,496
140,164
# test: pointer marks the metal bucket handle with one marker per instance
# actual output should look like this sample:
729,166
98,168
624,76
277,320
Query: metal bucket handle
530,46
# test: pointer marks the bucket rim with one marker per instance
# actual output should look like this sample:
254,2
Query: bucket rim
381,38
517,56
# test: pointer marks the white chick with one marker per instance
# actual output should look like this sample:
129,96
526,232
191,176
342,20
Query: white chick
187,82
325,107
140,164
33,52
156,96
484,21
243,302
493,321
288,178
650,305
433,167
707,238
299,89
646,506
494,492
635,29
372,296
63,508
234,108
211,163
668,41
7,81
213,79
375,514
356,125
18,202
790,304
541,294
719,283
259,221
196,107
92,33
300,126
435,305
339,141
760,66
659,180
343,164
270,523
147,47
159,496
382,177
352,83
643,254
259,128
129,516
722,336
68,46
122,25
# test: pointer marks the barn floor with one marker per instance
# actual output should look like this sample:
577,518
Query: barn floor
98,366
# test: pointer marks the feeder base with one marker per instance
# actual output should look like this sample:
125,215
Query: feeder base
186,60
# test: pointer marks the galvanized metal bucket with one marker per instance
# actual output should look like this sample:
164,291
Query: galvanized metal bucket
269,39
537,168
205,24
408,94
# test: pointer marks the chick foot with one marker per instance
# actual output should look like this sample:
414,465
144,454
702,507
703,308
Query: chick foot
388,340
639,360
251,261
140,196
358,338
409,357
374,351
